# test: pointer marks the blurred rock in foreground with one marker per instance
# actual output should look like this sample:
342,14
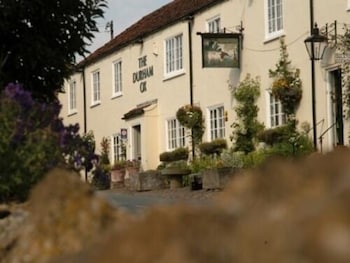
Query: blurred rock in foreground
284,211
64,217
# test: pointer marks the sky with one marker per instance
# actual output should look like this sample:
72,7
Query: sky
124,13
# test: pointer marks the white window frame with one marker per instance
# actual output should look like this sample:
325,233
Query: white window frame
173,56
175,134
214,24
276,115
274,24
117,78
72,97
216,122
95,87
116,148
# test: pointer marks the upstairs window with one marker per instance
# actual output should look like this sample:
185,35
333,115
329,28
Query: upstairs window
274,18
95,87
213,25
173,55
72,99
117,75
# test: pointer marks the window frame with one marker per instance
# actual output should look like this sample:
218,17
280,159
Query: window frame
175,135
95,100
117,148
117,78
217,132
175,66
276,115
217,25
72,103
278,32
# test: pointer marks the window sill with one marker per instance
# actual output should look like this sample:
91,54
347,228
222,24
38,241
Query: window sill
71,113
272,37
174,75
95,104
116,95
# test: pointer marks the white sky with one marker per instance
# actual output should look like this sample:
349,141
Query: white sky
123,13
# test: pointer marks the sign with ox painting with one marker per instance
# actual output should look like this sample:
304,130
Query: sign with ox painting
221,50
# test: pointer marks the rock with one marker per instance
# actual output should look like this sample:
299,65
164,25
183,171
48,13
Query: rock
65,216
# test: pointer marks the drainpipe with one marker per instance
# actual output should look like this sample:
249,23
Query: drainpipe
82,71
189,23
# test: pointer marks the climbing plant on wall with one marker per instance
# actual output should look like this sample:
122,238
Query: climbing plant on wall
286,85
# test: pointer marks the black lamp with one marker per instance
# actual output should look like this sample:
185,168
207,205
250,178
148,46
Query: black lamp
316,44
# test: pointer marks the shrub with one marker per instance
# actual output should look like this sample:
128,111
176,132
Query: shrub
213,147
175,155
33,140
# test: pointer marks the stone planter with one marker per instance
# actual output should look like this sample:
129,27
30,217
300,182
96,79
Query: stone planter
117,178
174,175
147,181
217,178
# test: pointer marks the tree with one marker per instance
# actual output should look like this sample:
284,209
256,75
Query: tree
40,39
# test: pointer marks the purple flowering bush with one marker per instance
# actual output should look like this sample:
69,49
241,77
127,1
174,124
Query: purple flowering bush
33,139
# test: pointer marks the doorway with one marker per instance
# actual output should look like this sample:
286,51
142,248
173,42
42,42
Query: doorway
136,142
337,115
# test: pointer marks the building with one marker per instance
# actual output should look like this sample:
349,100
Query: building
130,89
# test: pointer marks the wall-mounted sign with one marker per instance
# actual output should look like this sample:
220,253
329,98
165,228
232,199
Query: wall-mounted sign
142,74
123,134
221,50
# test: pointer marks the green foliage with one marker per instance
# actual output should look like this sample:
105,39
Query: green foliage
191,117
343,47
40,39
105,146
246,129
286,86
204,162
33,140
230,158
213,147
175,155
276,135
101,179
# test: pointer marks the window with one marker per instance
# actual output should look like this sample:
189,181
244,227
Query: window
72,99
173,55
118,148
95,87
117,72
217,122
274,18
277,117
213,25
176,134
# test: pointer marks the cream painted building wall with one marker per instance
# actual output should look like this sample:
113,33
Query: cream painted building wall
162,94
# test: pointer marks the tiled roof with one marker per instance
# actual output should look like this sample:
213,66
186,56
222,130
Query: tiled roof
155,21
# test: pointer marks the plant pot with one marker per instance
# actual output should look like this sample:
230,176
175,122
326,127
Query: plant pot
117,178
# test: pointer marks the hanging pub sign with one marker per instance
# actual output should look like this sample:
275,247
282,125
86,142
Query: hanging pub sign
221,50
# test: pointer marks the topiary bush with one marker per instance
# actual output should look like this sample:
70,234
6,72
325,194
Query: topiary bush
213,147
175,155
